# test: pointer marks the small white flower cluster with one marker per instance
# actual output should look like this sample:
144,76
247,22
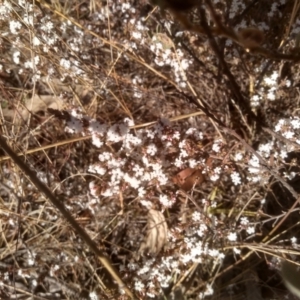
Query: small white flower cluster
256,173
165,56
278,150
245,225
274,10
154,272
236,178
255,100
269,90
139,33
237,7
5,10
142,159
289,128
271,82
296,26
15,26
137,86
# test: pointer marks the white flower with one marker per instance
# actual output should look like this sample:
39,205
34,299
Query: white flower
192,163
134,182
236,250
266,147
96,141
178,162
136,35
217,170
30,64
236,178
254,163
185,64
201,230
16,57
141,192
238,156
208,292
31,258
244,221
74,126
296,123
232,237
151,149
255,98
14,26
139,286
272,79
213,252
251,230
176,135
182,84
274,76
288,134
279,125
216,146
48,26
293,240
125,7
165,201
283,154
104,156
65,63
214,177
196,216
271,96
34,283
5,8
36,41
93,296
97,169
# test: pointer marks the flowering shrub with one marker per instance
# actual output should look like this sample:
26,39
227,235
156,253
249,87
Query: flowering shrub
177,155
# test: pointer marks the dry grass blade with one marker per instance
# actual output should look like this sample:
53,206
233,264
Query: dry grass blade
157,231
86,137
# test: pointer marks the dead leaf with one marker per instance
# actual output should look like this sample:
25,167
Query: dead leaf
251,37
157,231
188,177
33,105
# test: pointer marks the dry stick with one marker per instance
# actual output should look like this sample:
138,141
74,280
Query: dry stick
242,15
81,138
86,137
60,206
234,86
243,105
281,138
228,32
